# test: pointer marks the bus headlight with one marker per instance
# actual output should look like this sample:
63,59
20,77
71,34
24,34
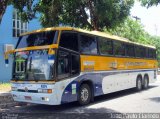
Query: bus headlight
44,90
14,88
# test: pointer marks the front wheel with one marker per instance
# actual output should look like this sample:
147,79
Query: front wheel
84,96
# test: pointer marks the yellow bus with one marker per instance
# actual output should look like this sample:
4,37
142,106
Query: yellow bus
63,64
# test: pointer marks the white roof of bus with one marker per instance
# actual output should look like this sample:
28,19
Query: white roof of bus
97,33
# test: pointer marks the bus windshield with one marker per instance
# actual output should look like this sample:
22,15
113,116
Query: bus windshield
33,65
38,39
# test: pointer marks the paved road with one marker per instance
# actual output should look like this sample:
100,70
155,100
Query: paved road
128,101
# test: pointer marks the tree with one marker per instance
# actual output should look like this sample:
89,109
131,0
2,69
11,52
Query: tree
131,29
26,8
134,31
91,14
3,6
149,3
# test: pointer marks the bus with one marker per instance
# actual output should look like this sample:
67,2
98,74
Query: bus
59,65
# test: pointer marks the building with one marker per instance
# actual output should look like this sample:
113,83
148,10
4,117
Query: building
10,28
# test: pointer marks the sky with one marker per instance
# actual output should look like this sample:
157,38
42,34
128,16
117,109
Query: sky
150,18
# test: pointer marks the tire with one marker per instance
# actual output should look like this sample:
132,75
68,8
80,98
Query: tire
146,82
84,95
139,84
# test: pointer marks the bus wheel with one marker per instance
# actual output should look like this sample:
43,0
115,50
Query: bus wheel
139,83
146,82
84,96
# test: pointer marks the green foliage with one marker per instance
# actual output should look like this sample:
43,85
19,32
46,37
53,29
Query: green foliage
105,15
27,8
156,42
134,31
91,14
149,3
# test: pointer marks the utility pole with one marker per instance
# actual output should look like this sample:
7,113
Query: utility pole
136,18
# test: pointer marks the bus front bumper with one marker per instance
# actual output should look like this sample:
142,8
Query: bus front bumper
38,98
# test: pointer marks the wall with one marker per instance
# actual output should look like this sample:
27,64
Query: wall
6,38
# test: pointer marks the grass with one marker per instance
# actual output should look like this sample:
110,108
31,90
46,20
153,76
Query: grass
5,87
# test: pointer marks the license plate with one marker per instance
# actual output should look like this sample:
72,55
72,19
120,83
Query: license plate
27,97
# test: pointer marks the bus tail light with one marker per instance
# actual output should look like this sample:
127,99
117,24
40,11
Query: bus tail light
44,90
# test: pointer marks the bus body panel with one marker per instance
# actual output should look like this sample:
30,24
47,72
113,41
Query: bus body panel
67,90
108,81
122,80
54,98
106,63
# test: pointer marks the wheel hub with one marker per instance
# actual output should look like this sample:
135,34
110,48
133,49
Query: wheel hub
84,94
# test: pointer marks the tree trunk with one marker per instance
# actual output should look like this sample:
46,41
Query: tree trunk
84,14
93,15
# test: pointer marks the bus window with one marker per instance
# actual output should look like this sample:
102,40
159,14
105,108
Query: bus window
130,50
88,45
105,46
75,65
38,39
145,52
63,64
152,53
140,51
69,41
119,48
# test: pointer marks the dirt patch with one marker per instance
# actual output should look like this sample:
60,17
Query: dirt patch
6,87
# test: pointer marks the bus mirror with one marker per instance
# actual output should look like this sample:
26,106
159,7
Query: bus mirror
6,57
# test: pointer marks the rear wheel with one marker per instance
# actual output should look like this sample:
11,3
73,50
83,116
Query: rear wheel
146,82
84,96
139,83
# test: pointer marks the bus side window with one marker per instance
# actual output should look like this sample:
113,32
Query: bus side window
140,52
63,64
130,50
88,45
151,53
119,48
75,65
69,41
105,46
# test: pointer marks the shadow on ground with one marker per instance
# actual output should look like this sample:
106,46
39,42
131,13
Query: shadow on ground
155,99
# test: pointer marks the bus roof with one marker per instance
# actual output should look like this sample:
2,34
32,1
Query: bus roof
97,33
